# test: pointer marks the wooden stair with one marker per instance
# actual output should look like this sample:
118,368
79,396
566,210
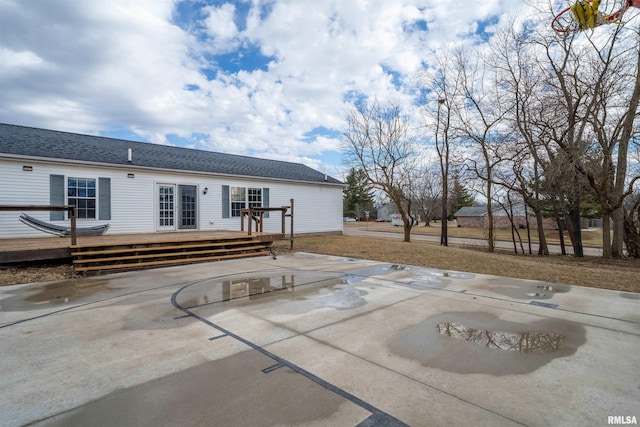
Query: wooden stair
100,258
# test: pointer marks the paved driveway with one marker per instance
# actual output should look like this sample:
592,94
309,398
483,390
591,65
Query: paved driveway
316,340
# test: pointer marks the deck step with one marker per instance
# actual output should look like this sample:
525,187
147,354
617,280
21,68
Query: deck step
153,247
98,258
161,255
163,263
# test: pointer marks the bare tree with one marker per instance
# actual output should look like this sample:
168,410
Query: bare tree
612,116
445,85
482,125
522,86
380,141
427,194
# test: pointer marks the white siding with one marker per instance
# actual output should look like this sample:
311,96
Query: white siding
318,208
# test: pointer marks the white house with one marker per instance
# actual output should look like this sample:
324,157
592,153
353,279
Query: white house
140,187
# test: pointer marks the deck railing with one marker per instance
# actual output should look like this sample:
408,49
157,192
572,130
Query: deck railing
256,216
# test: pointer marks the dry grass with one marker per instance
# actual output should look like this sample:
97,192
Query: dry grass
591,272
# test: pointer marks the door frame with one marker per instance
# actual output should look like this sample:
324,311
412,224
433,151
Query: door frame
177,206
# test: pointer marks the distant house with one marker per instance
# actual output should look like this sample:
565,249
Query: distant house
140,187
385,211
476,217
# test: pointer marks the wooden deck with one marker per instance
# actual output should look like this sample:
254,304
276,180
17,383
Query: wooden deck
128,251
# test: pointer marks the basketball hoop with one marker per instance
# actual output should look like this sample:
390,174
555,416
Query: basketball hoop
584,15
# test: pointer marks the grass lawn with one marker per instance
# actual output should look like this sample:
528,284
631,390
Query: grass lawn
590,237
589,271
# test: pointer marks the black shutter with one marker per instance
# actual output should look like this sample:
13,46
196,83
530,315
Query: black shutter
56,196
104,198
225,201
265,200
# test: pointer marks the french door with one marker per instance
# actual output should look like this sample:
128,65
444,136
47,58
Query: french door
177,207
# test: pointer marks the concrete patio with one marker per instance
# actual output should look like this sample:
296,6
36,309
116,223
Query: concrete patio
316,340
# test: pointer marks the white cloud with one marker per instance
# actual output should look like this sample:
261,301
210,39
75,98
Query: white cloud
221,26
146,66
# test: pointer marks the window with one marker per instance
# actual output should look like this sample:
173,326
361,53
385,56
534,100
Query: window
81,193
255,197
244,197
238,200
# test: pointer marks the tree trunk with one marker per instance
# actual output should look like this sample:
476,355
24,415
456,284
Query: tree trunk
606,235
574,217
490,227
618,233
444,231
543,248
631,236
407,230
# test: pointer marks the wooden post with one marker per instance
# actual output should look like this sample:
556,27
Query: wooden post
74,231
291,246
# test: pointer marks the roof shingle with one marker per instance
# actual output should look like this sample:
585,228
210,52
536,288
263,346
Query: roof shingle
27,141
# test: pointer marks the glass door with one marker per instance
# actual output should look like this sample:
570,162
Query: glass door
188,209
166,207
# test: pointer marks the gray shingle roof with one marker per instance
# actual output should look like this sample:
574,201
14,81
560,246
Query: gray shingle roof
472,211
27,141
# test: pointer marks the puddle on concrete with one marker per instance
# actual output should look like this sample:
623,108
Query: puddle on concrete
446,274
36,297
397,270
481,343
341,297
520,289
522,342
630,296
304,290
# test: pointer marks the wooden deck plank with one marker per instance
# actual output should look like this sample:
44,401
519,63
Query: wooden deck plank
187,245
168,262
162,255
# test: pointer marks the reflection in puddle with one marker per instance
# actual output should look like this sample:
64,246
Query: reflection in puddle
250,288
522,342
479,342
304,291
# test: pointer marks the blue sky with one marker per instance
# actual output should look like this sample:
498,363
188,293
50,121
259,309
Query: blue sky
266,78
